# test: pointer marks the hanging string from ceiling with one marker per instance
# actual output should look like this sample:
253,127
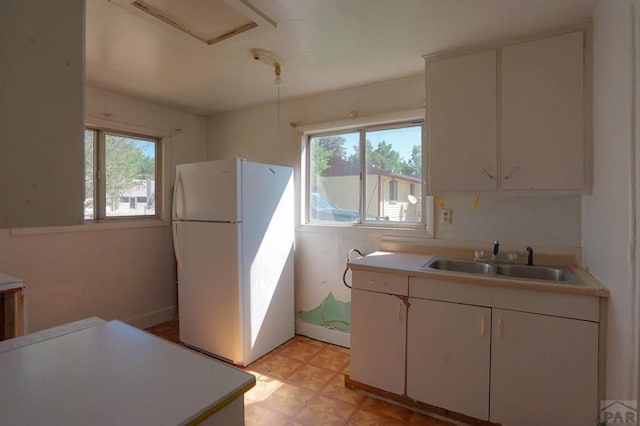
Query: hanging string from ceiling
271,59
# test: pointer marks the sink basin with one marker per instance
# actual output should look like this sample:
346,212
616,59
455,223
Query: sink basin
456,265
533,272
498,270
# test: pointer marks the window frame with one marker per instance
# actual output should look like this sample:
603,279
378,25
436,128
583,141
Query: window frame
99,174
426,222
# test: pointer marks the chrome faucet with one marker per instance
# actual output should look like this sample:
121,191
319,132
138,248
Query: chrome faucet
529,256
496,247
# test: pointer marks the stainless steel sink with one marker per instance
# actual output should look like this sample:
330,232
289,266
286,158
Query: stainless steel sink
532,272
558,274
456,265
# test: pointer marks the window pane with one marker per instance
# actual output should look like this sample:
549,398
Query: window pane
393,190
334,178
89,173
130,173
393,185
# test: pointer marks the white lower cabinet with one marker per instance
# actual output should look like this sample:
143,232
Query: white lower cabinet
378,339
544,370
448,348
473,350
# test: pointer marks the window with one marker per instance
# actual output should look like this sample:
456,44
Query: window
368,175
120,175
393,190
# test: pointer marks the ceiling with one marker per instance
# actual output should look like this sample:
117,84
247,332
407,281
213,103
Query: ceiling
323,45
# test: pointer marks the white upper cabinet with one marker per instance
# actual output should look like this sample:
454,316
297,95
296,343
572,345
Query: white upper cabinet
462,123
509,118
542,114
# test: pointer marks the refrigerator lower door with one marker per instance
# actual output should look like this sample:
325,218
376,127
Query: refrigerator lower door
208,288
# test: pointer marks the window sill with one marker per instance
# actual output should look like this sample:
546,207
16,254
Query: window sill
92,227
420,231
364,225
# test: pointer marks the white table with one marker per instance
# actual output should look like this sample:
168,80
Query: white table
115,374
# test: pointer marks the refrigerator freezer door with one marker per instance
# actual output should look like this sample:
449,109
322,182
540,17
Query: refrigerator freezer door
207,191
208,290
267,251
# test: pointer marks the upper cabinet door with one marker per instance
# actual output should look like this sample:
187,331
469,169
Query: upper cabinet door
462,123
543,114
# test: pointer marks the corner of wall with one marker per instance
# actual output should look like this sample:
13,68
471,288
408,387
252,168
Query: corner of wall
153,318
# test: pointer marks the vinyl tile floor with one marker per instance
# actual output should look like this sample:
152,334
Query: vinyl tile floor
302,383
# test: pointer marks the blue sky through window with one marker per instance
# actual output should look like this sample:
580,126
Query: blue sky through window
402,139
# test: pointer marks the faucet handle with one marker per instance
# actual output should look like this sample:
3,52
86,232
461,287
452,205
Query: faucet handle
529,256
496,247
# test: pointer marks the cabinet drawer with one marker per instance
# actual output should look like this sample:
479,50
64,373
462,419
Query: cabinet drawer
565,305
381,282
450,291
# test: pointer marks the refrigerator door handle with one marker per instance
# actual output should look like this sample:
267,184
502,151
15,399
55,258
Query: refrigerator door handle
176,193
176,249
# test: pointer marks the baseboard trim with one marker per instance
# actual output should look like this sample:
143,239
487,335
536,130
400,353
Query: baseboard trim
152,318
421,407
335,337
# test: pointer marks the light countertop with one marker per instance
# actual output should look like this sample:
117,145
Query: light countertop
411,263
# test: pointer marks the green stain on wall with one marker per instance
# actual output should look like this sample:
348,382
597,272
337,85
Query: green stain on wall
330,313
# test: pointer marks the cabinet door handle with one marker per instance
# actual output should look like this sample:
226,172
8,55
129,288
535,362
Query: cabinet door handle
487,173
377,282
483,326
499,327
508,175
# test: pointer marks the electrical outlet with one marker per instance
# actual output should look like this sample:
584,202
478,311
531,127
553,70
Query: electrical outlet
445,216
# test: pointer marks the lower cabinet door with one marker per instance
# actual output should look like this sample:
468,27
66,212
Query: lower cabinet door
544,370
448,350
378,340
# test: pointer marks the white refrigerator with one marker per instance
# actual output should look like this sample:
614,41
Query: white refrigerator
233,234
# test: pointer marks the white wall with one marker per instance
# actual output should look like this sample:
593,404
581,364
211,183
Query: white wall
41,102
320,251
543,222
182,133
609,214
125,272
